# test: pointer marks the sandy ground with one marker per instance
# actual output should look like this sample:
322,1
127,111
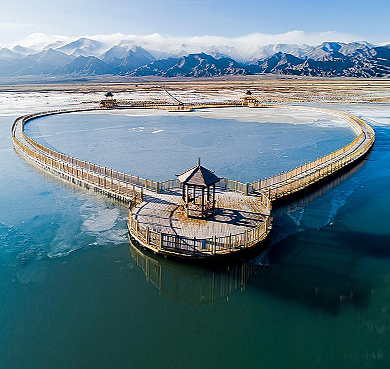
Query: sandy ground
265,89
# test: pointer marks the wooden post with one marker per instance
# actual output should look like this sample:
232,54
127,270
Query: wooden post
213,196
202,203
147,236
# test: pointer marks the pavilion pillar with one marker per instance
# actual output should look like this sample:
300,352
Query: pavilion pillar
187,199
202,202
213,196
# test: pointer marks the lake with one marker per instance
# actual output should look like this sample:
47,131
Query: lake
75,293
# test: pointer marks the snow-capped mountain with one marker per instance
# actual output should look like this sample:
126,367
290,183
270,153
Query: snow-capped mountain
117,55
83,47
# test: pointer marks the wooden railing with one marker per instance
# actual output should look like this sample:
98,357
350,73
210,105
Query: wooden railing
75,164
309,173
186,246
129,188
73,169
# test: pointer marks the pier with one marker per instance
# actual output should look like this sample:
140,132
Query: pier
158,221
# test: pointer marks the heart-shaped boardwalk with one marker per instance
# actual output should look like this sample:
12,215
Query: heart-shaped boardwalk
234,215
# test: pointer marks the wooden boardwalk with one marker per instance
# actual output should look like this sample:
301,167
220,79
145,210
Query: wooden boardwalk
156,216
234,214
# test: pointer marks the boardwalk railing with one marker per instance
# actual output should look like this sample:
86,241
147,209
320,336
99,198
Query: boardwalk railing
72,169
303,176
129,188
186,246
75,165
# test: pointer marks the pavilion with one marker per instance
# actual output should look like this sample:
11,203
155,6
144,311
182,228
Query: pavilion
109,101
198,194
249,99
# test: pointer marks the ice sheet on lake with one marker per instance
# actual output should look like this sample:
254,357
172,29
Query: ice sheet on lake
259,144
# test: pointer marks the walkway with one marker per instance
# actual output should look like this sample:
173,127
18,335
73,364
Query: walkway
156,218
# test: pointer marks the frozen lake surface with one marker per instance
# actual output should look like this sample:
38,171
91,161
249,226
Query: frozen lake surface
238,143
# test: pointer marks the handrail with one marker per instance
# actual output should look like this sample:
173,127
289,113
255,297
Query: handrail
72,169
76,163
129,188
188,246
301,177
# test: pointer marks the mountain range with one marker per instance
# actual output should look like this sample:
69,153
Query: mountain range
88,57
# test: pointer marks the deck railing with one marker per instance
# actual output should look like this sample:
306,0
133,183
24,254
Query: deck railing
75,164
77,171
187,246
303,176
130,188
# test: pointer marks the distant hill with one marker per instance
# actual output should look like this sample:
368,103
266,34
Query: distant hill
193,65
329,60
86,66
88,57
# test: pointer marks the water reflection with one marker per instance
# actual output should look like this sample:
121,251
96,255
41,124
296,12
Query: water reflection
193,284
323,285
317,191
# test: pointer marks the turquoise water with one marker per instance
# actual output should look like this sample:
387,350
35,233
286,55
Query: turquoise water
75,294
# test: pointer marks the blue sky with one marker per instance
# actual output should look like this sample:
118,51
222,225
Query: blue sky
360,19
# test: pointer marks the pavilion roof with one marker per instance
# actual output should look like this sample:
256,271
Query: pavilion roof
198,176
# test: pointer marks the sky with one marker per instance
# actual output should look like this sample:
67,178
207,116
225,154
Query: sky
341,20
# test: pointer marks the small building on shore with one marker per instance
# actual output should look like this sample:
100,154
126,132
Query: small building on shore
109,102
249,100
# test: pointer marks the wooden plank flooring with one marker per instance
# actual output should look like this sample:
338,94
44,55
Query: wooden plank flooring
234,214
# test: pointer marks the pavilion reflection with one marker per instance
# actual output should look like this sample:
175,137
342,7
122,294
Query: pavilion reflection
323,286
193,284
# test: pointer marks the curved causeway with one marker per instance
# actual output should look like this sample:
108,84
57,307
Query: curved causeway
157,218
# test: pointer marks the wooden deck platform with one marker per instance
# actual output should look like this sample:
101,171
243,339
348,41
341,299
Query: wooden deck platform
234,213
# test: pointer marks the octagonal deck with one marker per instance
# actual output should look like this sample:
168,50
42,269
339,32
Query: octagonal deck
235,213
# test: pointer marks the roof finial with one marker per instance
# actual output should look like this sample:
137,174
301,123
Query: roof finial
198,161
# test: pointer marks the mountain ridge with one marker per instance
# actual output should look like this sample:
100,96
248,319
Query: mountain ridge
85,57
